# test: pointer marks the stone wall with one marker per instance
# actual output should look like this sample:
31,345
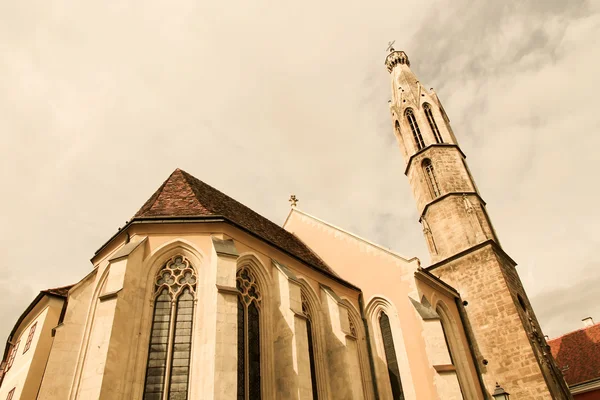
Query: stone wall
486,279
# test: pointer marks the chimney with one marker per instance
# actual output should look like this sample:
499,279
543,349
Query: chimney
587,322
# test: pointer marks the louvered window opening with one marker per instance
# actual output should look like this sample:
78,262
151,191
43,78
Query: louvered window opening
168,368
30,337
390,357
414,127
311,349
249,303
433,184
432,124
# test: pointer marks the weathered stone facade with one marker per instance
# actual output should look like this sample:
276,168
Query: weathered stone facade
464,249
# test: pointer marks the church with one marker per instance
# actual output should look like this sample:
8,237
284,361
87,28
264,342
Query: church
199,297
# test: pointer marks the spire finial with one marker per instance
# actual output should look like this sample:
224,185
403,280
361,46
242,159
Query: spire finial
390,47
293,200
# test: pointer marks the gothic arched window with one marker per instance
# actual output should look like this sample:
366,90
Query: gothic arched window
168,368
414,127
249,302
431,179
432,124
390,357
311,349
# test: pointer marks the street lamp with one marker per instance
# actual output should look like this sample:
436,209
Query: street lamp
500,393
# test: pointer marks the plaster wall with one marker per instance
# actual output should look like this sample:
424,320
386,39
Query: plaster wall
381,275
27,370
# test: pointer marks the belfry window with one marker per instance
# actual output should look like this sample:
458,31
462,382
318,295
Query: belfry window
249,303
414,127
311,349
168,369
432,124
390,357
431,179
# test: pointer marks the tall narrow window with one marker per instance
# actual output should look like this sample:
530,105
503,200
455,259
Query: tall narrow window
431,179
249,303
11,357
30,337
311,350
390,357
11,394
168,369
432,124
414,127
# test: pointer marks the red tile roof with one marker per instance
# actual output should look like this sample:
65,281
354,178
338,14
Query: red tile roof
183,195
578,354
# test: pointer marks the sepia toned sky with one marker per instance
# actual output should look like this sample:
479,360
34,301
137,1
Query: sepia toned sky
101,101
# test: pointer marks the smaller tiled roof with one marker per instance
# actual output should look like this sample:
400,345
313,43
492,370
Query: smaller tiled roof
183,195
577,354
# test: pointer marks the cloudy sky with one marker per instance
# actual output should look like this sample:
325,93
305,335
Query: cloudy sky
101,101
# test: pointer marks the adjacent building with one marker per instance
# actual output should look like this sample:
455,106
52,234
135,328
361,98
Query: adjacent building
577,354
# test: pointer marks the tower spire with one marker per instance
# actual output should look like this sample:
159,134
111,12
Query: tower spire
463,246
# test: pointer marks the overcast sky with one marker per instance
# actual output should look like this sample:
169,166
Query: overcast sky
101,100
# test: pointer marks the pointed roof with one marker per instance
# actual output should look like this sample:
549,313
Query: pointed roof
183,195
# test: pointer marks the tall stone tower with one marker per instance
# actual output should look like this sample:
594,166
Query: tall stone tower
465,252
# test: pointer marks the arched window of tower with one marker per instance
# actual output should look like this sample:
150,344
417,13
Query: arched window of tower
432,124
431,179
412,121
400,139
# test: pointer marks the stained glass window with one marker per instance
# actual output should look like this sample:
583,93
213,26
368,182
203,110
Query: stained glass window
168,368
249,303
414,127
432,124
390,357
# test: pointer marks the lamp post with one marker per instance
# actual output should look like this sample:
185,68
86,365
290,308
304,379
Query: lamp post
500,393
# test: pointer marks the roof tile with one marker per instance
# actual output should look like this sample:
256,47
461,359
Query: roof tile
578,354
183,195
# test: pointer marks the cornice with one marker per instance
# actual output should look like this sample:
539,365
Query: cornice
221,219
490,242
446,195
426,148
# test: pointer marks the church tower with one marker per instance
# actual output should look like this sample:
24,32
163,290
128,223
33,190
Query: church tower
465,252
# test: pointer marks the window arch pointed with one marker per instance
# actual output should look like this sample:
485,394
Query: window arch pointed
168,365
432,182
249,354
414,127
390,356
432,123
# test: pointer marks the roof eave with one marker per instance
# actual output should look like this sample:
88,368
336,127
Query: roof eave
213,219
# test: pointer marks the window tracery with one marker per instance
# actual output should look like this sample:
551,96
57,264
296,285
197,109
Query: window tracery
432,123
249,305
414,127
168,368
